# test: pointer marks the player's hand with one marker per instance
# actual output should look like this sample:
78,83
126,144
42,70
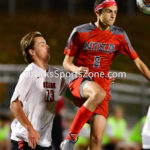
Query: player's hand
82,70
33,138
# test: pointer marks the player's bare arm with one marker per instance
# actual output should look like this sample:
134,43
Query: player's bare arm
69,65
142,68
33,136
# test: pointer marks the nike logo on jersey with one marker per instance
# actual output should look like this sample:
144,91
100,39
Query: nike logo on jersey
100,47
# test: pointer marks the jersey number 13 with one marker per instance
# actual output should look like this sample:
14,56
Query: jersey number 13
49,95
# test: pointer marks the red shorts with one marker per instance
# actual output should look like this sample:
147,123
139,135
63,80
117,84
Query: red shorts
102,108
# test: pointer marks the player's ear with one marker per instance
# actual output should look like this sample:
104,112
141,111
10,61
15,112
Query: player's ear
31,52
98,13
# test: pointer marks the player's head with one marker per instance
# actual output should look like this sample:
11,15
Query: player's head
34,47
106,11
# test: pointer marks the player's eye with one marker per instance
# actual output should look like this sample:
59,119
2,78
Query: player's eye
42,45
108,11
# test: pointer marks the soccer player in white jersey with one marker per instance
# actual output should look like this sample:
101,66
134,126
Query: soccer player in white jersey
146,133
34,99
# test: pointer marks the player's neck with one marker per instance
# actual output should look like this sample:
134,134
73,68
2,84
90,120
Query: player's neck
41,64
101,26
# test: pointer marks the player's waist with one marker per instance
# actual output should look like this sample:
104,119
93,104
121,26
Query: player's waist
89,76
104,70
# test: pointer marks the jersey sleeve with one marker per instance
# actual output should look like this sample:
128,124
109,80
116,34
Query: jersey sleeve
126,47
72,44
22,88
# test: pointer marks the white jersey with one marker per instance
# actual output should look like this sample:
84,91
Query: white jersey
38,92
146,132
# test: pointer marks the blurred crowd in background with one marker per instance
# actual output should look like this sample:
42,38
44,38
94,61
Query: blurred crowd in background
117,135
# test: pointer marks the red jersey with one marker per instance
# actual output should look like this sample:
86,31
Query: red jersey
96,49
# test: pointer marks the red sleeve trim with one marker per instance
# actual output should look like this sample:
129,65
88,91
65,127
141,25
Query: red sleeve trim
134,56
68,52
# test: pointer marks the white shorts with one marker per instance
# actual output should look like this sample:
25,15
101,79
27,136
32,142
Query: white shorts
146,132
145,142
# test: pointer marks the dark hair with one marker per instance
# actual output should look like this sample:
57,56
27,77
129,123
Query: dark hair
97,2
27,42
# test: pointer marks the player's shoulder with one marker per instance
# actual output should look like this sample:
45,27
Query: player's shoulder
84,28
26,74
117,30
29,69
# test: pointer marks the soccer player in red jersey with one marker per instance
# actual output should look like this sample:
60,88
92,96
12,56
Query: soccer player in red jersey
94,46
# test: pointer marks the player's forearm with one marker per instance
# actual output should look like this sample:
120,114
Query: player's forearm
69,65
145,72
18,112
142,68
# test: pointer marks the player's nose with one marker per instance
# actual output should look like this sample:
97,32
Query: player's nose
113,15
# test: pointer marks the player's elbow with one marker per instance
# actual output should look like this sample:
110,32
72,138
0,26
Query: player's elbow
68,61
64,64
11,107
14,106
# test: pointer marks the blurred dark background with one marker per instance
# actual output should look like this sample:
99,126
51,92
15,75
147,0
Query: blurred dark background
56,19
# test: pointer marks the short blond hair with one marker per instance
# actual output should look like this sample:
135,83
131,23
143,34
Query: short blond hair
27,42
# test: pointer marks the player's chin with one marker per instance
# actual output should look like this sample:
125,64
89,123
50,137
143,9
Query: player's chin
110,23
